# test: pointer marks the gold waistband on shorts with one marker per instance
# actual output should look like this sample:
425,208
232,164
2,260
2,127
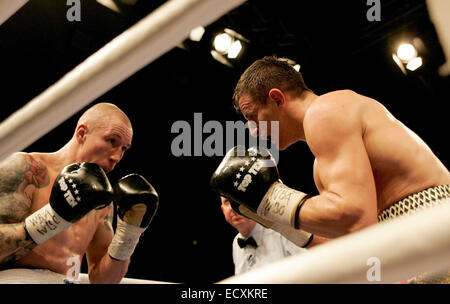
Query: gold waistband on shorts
426,198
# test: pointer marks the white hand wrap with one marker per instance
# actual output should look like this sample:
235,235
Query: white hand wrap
44,224
280,204
125,240
299,237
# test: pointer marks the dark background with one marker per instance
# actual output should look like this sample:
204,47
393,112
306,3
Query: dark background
337,47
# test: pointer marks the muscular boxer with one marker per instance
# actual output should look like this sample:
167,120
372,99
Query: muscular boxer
50,215
368,166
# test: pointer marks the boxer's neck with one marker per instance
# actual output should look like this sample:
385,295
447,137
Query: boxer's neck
300,106
66,155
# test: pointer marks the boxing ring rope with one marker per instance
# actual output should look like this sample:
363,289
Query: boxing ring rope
405,247
145,41
439,10
9,7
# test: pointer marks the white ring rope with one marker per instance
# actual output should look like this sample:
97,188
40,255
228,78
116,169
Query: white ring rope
148,39
9,7
439,10
405,247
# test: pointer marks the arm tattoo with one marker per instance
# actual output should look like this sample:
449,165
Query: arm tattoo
36,174
19,177
14,243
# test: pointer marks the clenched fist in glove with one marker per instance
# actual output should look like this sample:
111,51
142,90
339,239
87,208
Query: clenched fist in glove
251,179
78,189
137,202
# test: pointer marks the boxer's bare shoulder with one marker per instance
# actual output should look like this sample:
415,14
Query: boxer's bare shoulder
333,112
20,175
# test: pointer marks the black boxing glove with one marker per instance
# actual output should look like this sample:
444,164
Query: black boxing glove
137,202
251,179
78,189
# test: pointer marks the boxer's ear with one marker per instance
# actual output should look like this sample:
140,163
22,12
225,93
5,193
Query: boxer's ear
277,96
81,132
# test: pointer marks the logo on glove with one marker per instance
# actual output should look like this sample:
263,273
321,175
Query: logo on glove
67,193
254,169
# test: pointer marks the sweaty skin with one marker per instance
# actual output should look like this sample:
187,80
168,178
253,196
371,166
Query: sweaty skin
55,252
26,179
365,159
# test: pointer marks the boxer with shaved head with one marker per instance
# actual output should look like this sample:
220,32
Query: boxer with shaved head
57,207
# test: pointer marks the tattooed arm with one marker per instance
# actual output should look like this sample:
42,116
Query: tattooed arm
101,267
20,175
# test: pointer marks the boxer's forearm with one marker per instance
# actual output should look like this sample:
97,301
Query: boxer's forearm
318,240
14,243
330,215
108,271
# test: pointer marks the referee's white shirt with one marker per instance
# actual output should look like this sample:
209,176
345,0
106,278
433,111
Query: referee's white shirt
272,247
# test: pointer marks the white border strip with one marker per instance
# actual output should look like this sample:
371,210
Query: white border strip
9,7
84,279
151,37
405,247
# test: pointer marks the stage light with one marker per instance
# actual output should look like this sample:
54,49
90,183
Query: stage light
414,63
399,63
197,33
220,58
234,49
228,46
406,52
222,43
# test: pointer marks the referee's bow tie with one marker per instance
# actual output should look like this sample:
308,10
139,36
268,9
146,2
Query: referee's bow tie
247,242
